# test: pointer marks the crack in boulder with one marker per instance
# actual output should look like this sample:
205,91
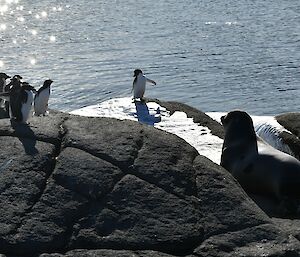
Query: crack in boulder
51,166
134,205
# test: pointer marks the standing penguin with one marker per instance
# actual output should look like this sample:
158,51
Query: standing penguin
139,84
19,98
26,98
7,89
3,78
13,99
41,98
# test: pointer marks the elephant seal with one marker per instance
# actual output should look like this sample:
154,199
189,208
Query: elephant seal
258,167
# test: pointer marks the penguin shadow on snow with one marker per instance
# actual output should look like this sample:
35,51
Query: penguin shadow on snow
143,114
26,136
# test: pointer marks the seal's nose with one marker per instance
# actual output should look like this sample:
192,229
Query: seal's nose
222,119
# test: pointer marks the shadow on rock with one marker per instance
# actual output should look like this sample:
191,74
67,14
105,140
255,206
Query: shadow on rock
3,114
287,208
26,136
144,116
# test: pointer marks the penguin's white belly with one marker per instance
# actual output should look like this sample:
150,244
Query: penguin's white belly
41,102
139,88
3,100
26,107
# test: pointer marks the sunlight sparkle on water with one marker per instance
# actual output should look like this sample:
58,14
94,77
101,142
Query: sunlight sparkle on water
210,22
21,19
3,8
230,22
10,1
3,26
44,14
57,9
32,61
33,32
17,20
52,38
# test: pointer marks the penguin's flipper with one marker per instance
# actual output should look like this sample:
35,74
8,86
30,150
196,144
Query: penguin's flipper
23,97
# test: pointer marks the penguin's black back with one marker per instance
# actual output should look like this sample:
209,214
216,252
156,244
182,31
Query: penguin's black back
46,85
16,104
15,99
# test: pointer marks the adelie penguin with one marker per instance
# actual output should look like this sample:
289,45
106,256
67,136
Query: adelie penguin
12,96
139,84
41,98
3,78
26,95
20,98
9,85
7,89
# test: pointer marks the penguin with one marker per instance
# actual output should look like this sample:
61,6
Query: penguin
20,98
13,99
18,77
139,84
3,78
7,89
41,98
26,98
15,77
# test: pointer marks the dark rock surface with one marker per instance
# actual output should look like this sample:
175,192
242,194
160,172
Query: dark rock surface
77,186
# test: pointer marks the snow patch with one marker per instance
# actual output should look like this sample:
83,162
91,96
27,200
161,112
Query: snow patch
155,115
179,124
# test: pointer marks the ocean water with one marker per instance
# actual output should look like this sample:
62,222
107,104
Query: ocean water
213,55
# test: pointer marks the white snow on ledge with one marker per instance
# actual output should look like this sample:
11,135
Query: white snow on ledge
155,115
179,124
